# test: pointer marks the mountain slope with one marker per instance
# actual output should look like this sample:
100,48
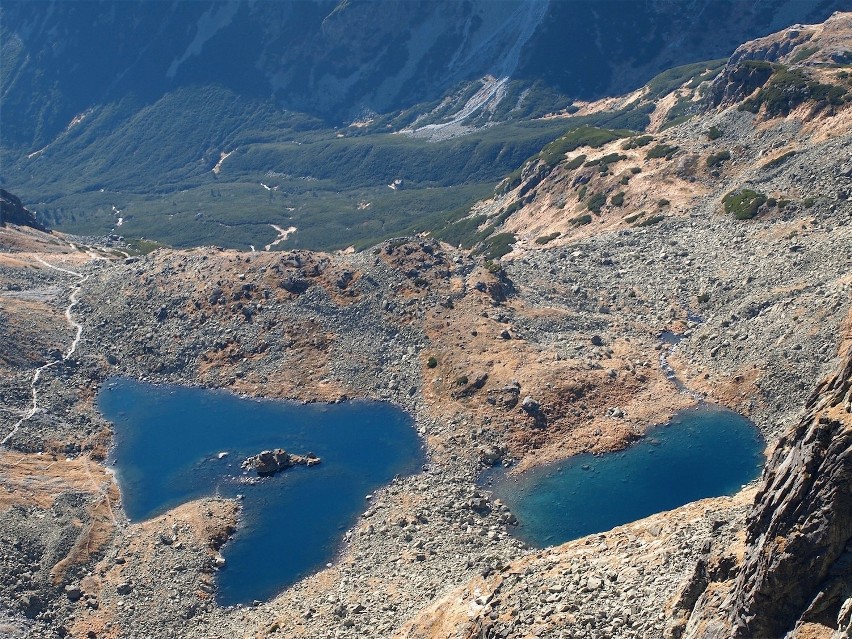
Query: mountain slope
777,110
115,114
342,58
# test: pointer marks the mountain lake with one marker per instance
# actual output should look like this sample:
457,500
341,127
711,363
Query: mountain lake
169,445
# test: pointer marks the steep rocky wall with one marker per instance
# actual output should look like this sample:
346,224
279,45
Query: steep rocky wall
797,560
802,522
12,211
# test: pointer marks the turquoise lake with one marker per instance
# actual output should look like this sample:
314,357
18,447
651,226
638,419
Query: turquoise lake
168,441
703,452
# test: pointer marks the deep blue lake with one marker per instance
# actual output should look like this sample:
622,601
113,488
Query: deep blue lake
167,445
703,452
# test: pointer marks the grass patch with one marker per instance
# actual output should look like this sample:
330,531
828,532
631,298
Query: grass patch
673,78
680,119
590,136
575,163
803,53
743,205
462,232
788,88
596,202
142,246
637,142
496,246
606,160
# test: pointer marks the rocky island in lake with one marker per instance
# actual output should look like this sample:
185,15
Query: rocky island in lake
269,462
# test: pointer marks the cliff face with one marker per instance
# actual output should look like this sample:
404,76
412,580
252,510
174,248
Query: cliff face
12,211
798,563
796,569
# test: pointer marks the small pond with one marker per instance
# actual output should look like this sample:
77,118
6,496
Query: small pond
703,452
168,445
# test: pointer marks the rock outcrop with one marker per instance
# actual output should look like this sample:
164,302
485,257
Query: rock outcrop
269,462
797,560
12,211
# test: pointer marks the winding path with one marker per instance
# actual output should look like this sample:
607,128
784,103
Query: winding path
73,347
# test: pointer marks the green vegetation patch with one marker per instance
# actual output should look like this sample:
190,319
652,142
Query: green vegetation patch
714,133
610,158
804,53
743,204
673,78
788,88
636,142
661,151
510,182
682,110
462,232
581,220
596,202
590,136
141,246
496,246
617,199
575,163
679,119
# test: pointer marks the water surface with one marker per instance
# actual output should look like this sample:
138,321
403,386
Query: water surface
168,441
702,452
